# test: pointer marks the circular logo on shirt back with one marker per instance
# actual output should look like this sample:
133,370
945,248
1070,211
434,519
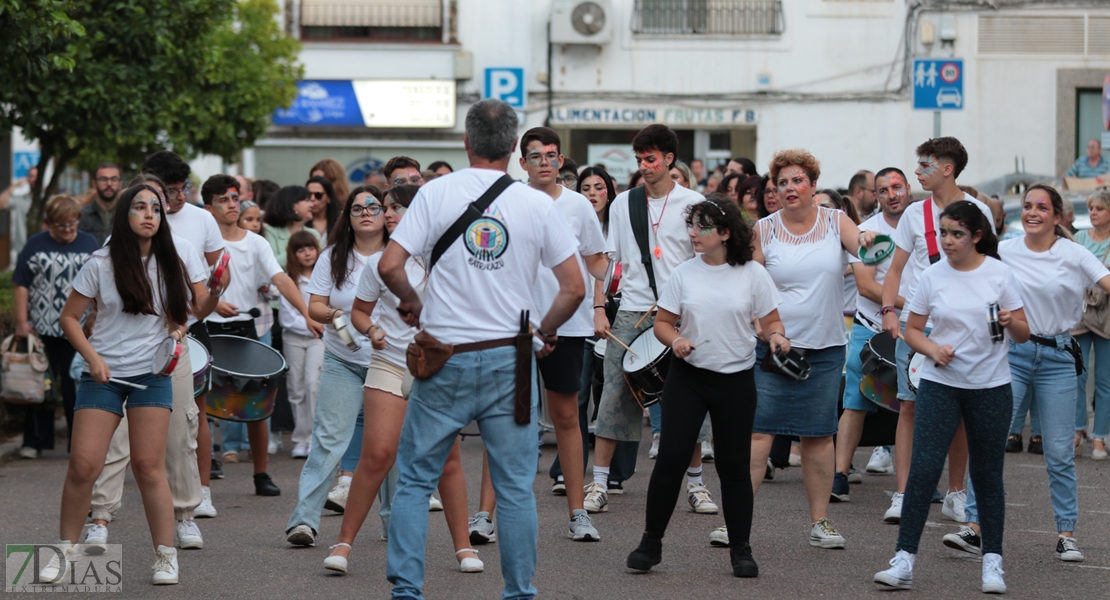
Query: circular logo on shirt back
486,240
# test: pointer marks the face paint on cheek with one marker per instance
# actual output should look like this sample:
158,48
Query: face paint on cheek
928,166
704,232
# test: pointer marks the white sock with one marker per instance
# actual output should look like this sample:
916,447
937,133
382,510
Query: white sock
601,476
693,476
345,479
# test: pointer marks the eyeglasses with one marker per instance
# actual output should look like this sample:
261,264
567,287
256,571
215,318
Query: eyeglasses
414,180
373,209
316,195
174,193
70,225
568,179
107,180
537,158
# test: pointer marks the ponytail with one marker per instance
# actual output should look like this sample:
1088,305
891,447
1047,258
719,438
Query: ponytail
968,214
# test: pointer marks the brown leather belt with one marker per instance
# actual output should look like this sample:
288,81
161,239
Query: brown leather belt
487,345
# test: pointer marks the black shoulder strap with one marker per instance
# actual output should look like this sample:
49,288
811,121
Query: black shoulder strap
638,216
472,213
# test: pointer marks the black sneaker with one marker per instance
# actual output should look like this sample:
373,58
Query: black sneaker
217,469
965,540
743,565
648,554
264,486
1036,445
839,488
1013,443
615,488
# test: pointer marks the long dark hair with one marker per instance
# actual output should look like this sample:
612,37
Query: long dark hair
842,204
1057,207
967,214
723,215
132,283
759,193
610,189
402,194
331,211
341,240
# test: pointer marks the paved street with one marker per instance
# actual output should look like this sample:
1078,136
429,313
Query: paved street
246,555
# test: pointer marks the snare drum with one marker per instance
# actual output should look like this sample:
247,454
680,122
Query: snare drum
612,279
914,371
646,370
245,378
201,360
879,381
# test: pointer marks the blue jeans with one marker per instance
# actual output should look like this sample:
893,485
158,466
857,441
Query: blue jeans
354,449
1027,405
852,398
472,386
1101,372
338,406
1049,372
655,415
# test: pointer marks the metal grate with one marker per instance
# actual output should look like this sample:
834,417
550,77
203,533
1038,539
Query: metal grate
1098,35
371,13
1031,35
736,17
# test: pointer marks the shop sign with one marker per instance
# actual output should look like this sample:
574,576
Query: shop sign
371,103
676,117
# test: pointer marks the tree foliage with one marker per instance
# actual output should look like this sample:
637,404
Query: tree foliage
34,36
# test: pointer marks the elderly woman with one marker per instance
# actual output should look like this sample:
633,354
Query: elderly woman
43,278
1097,240
802,247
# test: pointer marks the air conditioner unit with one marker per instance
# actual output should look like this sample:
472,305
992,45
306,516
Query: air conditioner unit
581,22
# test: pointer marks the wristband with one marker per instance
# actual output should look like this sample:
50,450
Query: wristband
544,335
886,309
601,306
770,335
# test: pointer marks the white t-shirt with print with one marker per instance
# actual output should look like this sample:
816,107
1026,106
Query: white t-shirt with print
956,302
716,305
864,306
127,342
252,265
673,240
1052,282
481,283
371,288
343,297
580,218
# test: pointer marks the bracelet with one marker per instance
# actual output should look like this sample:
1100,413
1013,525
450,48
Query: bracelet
601,306
886,309
770,335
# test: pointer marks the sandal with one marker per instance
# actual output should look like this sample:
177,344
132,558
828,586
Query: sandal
335,562
1096,453
470,565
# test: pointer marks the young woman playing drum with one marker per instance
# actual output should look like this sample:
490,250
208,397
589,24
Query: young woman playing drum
973,300
716,295
144,292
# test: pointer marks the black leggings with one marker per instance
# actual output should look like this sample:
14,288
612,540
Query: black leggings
730,400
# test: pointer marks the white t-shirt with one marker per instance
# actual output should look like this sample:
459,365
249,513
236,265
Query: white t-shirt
673,239
291,319
956,302
716,306
198,226
371,288
581,220
478,288
252,266
910,236
870,308
342,298
126,342
1052,282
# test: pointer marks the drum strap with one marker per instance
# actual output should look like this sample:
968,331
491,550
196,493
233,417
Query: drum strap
638,216
473,212
931,233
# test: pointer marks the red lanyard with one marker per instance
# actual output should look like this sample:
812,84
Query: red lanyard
655,226
931,233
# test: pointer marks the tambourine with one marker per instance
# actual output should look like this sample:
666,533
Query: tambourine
612,279
343,329
218,271
879,251
792,364
166,356
997,333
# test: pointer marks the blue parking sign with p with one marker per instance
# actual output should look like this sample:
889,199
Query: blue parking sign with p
938,84
506,84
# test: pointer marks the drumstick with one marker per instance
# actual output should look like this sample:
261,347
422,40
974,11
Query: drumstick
649,311
623,345
122,382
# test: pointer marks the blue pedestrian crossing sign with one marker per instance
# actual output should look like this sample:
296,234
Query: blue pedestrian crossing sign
938,84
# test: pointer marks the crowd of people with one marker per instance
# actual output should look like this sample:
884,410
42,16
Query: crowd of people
417,303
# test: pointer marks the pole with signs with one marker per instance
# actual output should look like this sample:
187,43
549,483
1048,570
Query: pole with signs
938,85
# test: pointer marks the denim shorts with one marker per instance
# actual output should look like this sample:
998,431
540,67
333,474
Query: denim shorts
113,396
802,408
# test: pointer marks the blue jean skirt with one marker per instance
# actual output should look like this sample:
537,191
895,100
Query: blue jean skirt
802,408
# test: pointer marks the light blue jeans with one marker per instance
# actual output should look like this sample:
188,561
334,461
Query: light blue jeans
472,386
1049,372
1027,406
354,449
337,408
1100,370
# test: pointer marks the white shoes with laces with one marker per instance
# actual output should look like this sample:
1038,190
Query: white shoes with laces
165,566
96,539
205,510
188,535
954,506
900,574
992,574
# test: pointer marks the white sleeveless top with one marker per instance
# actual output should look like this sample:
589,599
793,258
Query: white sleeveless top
808,271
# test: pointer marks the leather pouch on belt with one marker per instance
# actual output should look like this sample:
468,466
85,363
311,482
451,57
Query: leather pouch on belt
426,355
522,395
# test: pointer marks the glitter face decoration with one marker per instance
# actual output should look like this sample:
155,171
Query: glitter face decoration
537,156
367,204
792,177
954,237
926,166
144,204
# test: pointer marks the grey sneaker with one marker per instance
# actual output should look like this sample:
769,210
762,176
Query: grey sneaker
582,527
301,535
481,529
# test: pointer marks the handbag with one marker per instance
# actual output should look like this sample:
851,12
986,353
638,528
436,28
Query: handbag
1096,310
24,378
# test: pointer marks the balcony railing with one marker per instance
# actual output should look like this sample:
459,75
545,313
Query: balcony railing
708,17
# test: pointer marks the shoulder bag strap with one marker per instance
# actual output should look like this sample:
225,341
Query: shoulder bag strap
931,233
638,216
472,213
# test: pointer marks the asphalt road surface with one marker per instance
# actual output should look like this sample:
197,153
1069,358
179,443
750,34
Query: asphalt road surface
246,556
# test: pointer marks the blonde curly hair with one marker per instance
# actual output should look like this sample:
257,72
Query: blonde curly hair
798,158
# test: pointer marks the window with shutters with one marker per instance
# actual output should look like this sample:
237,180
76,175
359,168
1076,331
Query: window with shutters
708,17
1078,34
372,20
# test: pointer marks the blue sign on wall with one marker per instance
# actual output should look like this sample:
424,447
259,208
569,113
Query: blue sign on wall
938,84
507,84
22,161
322,103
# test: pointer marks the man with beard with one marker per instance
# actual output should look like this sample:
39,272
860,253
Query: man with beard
96,217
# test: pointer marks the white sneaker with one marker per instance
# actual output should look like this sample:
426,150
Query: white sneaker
719,537
894,513
654,451
707,450
881,462
795,459
205,510
954,506
434,505
900,574
992,574
28,452
301,535
55,571
96,539
823,534
165,567
700,500
1097,454
276,444
597,498
337,497
188,535
300,451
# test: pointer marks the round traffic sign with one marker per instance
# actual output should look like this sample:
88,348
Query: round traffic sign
950,72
